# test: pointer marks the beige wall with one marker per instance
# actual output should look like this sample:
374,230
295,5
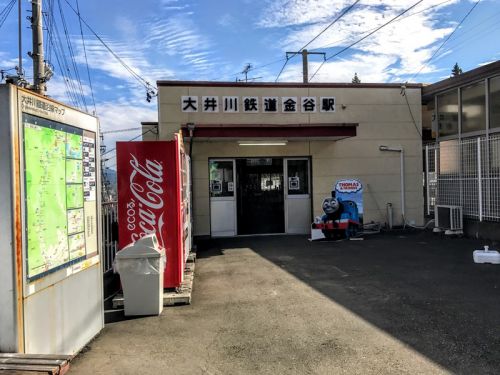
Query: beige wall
383,117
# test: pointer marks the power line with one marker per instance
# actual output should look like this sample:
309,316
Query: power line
150,88
121,130
130,140
6,11
332,44
60,53
403,93
72,56
54,41
446,40
317,36
251,69
86,60
366,36
462,43
329,45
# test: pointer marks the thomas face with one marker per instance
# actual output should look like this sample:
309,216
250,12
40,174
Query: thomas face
330,205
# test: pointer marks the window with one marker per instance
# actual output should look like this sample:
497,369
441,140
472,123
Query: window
298,177
495,102
473,108
221,178
448,113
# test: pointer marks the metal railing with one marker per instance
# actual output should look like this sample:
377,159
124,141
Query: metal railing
109,234
464,173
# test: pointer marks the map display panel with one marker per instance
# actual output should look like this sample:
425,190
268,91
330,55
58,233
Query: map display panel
74,171
74,195
54,177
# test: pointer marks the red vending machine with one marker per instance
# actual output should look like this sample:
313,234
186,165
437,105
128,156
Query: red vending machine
154,197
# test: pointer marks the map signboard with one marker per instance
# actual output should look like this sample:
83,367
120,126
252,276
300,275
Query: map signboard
60,181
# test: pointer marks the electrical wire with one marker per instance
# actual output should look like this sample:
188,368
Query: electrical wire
251,69
60,53
6,11
403,92
317,36
446,40
72,56
130,140
59,59
141,80
364,37
484,29
333,44
86,60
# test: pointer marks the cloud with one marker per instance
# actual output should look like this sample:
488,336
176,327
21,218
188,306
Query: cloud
180,36
226,20
123,113
405,44
369,67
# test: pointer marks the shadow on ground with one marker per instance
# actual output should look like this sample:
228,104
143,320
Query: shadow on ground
420,288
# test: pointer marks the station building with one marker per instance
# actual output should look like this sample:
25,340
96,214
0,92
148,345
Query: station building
265,155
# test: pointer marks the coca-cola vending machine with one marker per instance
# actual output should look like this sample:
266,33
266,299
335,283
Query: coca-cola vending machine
154,197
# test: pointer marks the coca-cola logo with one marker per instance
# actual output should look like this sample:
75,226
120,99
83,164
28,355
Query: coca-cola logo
146,206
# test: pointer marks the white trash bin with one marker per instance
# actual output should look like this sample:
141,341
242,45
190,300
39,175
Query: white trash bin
141,265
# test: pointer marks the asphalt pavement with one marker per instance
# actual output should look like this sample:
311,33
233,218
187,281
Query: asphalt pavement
397,303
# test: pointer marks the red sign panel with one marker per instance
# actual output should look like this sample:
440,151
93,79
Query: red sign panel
148,199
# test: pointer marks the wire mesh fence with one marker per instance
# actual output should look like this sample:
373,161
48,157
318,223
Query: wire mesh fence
464,173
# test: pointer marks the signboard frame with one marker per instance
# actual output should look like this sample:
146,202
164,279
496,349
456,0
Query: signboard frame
31,104
61,312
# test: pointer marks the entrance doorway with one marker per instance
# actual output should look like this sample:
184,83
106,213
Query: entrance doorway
260,196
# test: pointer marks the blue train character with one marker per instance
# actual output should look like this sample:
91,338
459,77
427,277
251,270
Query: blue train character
341,218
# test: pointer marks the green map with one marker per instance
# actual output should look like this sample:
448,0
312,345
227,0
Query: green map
74,171
74,195
74,146
54,195
46,198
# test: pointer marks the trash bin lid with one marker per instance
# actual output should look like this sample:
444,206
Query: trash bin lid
146,247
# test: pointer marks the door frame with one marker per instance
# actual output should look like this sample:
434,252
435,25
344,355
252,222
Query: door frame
227,199
298,196
284,197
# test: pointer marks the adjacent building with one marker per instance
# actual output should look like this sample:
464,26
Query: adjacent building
462,161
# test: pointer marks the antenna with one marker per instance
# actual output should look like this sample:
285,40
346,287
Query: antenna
248,67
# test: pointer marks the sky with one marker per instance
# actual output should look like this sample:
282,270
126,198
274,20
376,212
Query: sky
215,39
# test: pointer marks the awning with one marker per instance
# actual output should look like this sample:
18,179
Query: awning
272,131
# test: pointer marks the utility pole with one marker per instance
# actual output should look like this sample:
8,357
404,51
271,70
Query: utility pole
305,64
37,54
20,41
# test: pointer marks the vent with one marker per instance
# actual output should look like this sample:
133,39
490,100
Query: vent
449,217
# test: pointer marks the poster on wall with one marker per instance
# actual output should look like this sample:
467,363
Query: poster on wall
351,190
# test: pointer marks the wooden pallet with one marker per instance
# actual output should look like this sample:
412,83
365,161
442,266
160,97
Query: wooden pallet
174,297
16,363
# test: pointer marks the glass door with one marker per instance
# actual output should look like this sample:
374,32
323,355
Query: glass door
260,202
298,195
222,197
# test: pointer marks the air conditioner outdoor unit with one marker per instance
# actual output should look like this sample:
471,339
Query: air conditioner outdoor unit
449,219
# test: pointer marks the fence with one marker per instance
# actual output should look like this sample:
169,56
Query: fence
464,173
109,234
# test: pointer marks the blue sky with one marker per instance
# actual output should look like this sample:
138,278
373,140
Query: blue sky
214,39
